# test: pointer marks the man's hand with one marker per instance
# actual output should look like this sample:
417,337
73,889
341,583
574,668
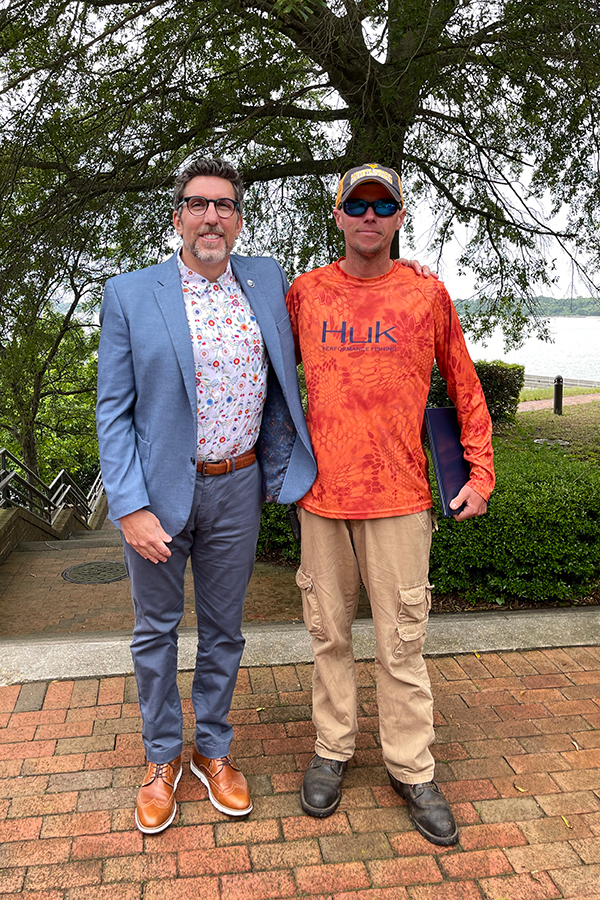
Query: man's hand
414,264
142,531
475,505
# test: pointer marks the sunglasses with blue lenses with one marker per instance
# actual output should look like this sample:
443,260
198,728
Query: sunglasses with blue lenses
383,208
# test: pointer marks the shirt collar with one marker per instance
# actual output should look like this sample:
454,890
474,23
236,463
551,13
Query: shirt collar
226,281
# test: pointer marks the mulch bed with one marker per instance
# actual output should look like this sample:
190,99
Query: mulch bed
449,603
277,599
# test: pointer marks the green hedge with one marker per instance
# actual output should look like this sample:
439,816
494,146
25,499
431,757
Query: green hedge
275,539
501,382
540,540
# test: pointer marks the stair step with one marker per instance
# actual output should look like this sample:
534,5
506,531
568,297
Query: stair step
97,539
108,534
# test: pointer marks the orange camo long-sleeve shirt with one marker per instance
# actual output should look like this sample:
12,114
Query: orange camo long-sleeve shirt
368,346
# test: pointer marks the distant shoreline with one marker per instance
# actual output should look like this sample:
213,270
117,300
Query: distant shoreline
572,350
551,308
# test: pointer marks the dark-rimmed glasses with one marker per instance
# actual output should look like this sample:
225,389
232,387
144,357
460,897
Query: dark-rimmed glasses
383,208
198,206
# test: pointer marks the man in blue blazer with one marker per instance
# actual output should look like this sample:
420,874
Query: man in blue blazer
199,420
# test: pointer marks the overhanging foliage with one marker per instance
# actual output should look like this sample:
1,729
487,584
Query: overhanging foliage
488,108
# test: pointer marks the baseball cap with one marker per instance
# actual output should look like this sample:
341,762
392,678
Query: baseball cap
369,172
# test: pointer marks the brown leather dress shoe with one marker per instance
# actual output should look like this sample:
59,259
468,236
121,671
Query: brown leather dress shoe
155,807
227,788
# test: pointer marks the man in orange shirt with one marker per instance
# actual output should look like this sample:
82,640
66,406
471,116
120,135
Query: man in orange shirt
368,331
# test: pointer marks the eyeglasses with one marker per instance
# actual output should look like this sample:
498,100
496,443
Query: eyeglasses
383,208
198,206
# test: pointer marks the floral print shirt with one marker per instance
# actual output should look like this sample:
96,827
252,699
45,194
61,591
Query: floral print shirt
230,361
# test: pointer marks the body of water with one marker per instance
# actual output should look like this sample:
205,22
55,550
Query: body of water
573,353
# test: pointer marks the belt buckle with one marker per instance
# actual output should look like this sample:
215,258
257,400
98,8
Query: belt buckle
229,466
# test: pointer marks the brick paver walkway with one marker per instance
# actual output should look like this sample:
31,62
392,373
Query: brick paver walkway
518,751
35,599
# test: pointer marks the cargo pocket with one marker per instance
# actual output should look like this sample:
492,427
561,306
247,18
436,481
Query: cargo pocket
411,619
310,605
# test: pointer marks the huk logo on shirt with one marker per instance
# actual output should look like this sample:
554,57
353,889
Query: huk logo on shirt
349,335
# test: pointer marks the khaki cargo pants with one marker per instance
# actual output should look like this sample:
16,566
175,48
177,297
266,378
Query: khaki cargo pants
391,556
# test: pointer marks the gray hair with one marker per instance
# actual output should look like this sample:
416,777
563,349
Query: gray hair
201,166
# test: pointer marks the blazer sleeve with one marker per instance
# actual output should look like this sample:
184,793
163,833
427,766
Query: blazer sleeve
119,445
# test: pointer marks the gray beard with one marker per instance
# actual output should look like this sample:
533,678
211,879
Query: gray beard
208,256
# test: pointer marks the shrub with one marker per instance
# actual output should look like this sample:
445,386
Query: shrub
275,539
501,382
540,540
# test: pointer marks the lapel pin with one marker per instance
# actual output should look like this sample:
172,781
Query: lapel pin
250,283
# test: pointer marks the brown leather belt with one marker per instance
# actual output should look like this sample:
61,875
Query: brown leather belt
223,466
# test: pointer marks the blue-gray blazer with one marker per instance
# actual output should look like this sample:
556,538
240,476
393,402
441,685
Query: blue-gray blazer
146,411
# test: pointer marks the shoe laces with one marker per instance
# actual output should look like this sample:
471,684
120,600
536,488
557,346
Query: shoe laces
334,764
419,789
223,761
161,770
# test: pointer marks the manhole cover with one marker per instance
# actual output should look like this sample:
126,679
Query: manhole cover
95,573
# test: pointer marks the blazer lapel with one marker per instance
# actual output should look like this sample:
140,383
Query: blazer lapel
253,287
169,297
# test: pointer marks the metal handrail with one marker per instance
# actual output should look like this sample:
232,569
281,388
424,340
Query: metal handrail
14,477
65,492
31,475
16,491
96,491
21,487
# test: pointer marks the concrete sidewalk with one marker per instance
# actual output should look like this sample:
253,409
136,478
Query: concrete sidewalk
42,658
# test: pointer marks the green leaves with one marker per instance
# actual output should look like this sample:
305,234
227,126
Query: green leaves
501,383
490,112
301,8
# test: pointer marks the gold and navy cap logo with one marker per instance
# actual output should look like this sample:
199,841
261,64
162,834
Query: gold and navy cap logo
369,172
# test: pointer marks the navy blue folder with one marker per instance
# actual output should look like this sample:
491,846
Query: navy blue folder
452,471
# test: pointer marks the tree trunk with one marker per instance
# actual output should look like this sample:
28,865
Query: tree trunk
28,443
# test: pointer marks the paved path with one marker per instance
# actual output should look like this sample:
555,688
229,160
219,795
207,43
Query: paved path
518,753
549,404
36,600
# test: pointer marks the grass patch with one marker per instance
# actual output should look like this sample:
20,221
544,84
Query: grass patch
548,393
578,429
